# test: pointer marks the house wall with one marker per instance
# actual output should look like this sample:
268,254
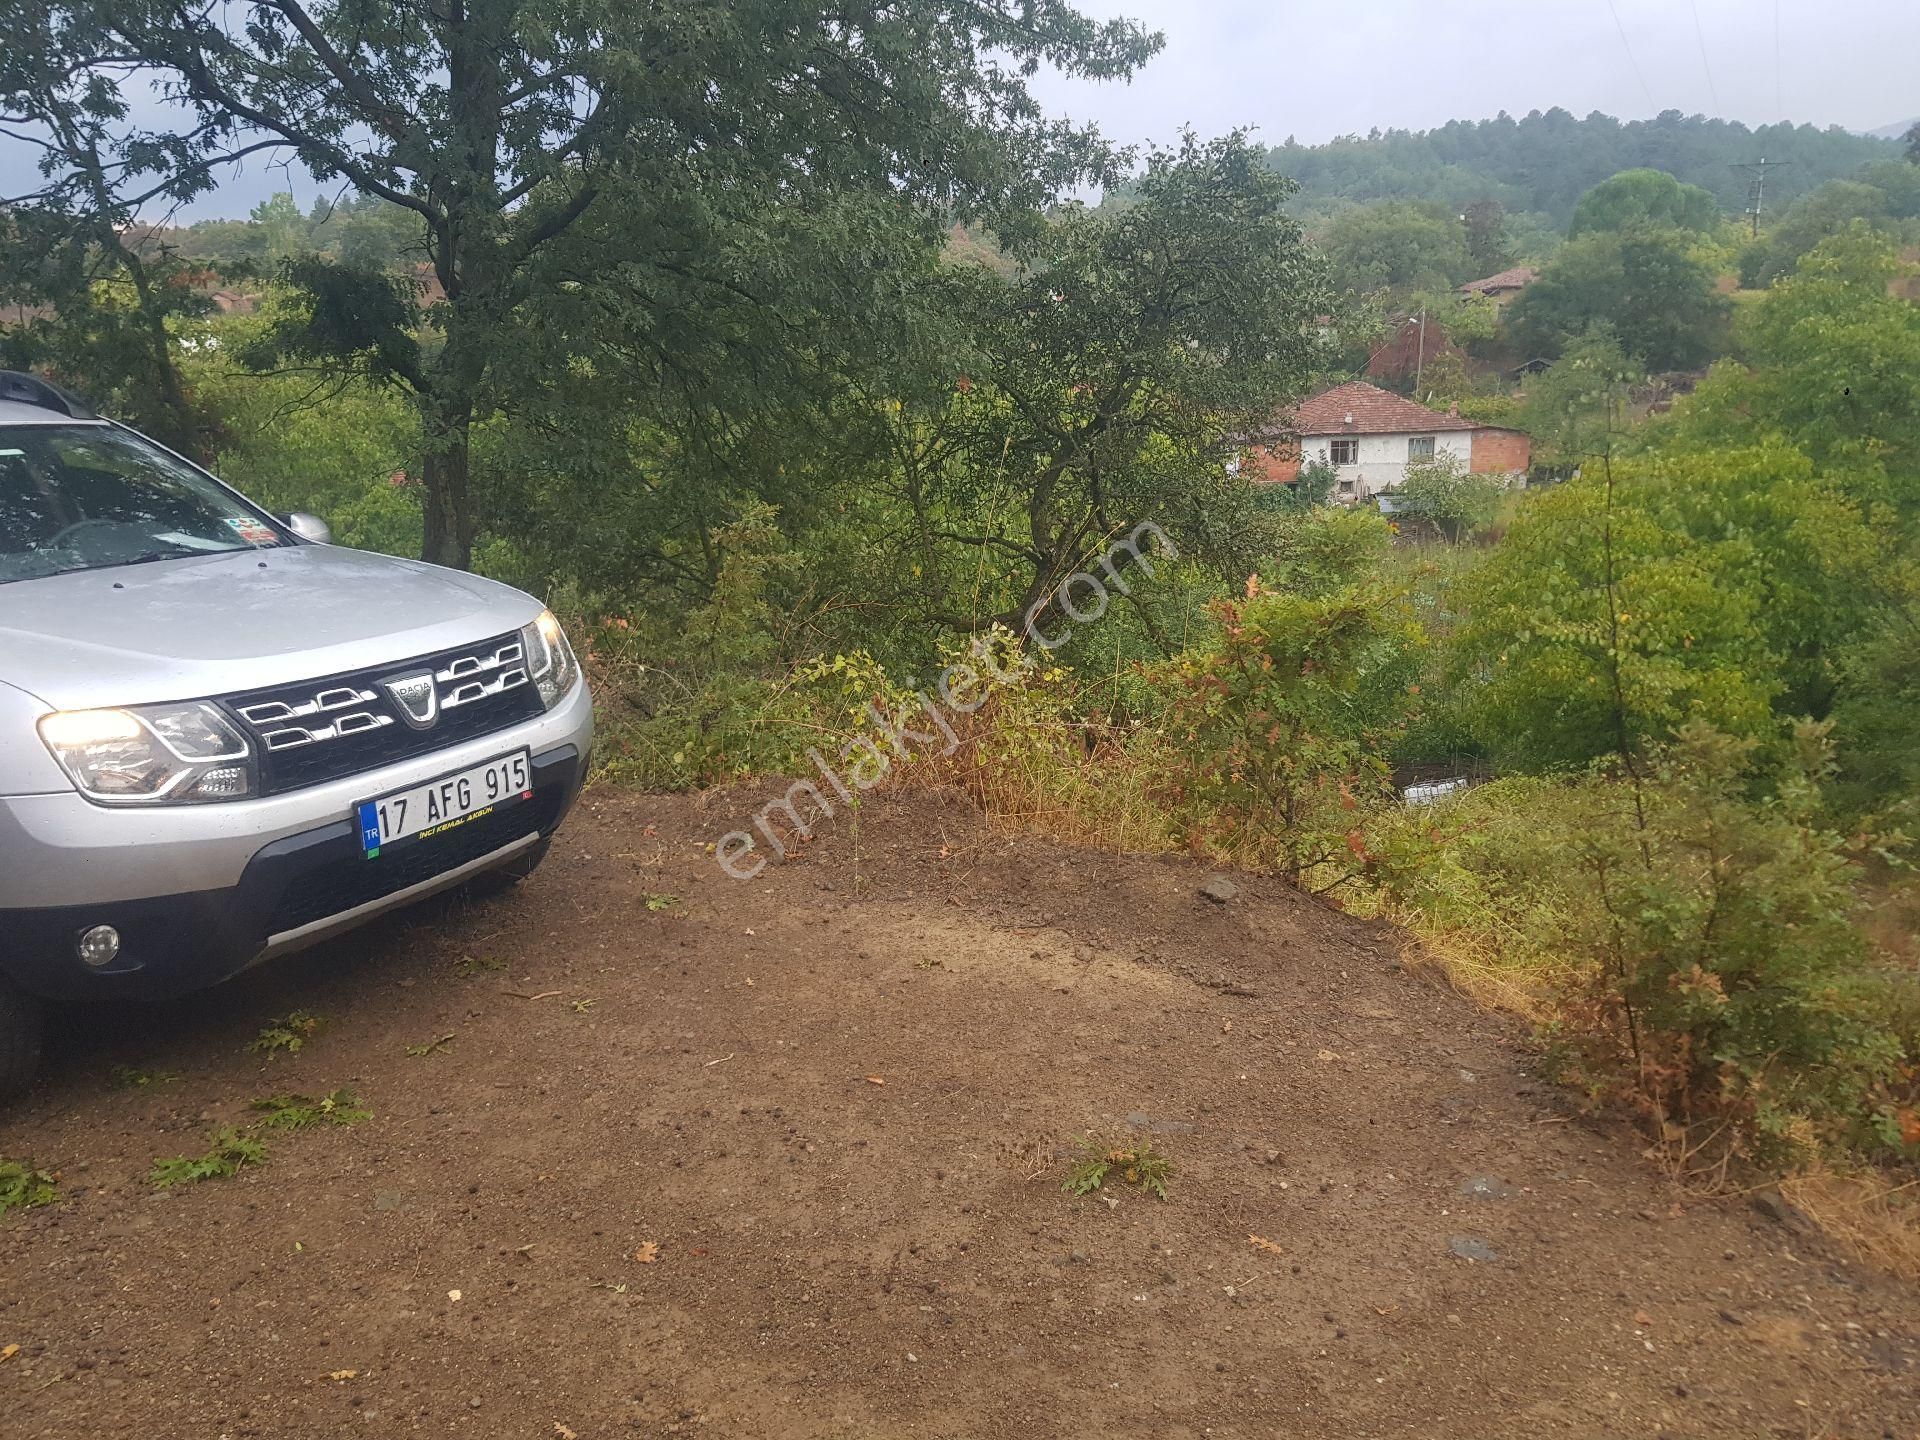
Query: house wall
1497,452
1383,460
1272,465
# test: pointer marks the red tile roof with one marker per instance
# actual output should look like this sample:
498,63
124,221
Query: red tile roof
1517,278
1362,409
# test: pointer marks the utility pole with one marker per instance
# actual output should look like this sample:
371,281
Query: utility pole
1757,188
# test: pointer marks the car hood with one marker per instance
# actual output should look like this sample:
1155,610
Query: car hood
216,624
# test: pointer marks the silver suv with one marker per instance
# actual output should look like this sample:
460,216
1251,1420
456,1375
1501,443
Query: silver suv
223,738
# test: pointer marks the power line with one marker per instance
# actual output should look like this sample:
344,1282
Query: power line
1705,65
1632,59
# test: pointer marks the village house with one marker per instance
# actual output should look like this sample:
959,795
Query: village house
1503,287
1368,436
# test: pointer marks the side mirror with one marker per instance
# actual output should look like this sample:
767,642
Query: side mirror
310,528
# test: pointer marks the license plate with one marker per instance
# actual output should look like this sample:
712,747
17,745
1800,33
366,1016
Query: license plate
445,804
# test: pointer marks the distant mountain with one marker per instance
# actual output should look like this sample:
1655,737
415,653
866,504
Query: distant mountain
1543,163
1895,132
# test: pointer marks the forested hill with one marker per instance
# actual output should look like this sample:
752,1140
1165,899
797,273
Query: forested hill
1544,163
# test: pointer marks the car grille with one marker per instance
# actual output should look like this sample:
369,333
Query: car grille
353,880
321,730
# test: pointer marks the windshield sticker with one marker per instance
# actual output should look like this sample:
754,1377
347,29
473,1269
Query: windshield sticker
254,532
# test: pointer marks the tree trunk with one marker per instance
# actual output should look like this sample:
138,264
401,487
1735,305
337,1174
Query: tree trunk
185,434
447,422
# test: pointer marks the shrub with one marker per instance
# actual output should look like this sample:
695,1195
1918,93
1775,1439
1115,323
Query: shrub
1696,935
1285,723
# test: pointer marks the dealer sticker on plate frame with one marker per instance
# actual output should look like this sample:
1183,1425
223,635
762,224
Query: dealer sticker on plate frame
445,804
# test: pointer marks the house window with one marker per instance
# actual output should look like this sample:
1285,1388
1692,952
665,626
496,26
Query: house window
1344,452
1420,447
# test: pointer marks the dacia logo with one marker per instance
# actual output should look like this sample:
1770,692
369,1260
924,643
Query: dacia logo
417,698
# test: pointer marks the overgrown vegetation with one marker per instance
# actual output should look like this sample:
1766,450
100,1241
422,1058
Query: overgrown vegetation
805,396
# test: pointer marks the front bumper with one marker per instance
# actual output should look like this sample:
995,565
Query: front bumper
296,883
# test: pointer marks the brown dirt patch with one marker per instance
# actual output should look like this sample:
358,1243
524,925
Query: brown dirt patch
839,1258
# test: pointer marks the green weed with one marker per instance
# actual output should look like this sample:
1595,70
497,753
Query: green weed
290,1034
1137,1164
303,1112
22,1187
131,1077
231,1153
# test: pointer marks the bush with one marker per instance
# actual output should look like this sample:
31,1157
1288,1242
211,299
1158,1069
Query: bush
1284,723
1698,947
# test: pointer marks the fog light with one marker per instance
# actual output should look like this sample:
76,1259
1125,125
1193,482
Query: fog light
99,945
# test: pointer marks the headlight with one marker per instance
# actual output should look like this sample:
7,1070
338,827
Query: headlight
151,754
551,658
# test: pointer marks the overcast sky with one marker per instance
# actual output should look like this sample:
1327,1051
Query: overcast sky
1320,68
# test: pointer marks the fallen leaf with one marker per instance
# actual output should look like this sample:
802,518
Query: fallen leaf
648,1253
1641,1318
1226,1027
1260,1242
1386,1309
563,1432
8,1352
342,1374
454,1295
875,1080
1326,1055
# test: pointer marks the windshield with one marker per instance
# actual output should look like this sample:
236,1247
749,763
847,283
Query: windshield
85,497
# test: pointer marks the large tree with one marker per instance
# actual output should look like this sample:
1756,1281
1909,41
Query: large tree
1115,380
1644,197
1397,246
1643,283
506,124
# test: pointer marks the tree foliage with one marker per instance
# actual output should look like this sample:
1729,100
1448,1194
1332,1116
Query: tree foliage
1636,199
1543,162
504,126
1643,284
1397,246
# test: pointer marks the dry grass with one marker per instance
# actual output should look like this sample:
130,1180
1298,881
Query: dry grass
1875,1219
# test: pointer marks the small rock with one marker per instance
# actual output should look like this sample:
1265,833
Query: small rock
1219,889
1731,1318
1076,1257
1466,1247
1773,1205
386,1200
474,1403
1485,1187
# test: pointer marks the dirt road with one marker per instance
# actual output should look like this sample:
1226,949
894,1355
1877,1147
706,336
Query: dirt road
818,1103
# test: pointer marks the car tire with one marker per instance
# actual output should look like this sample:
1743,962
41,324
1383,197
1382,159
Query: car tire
21,1026
505,877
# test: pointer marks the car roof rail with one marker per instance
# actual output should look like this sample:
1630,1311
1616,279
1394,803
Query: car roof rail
25,389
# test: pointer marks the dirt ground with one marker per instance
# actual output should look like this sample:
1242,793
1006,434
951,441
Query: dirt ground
818,1100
